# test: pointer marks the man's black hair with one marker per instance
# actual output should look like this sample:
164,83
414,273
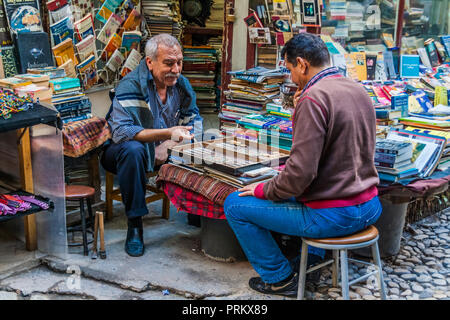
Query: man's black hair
306,46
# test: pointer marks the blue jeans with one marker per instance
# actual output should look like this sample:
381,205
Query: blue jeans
252,218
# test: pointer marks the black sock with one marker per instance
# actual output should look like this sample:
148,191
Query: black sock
135,222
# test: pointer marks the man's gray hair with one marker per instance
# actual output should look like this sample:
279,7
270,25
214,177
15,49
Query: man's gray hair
151,47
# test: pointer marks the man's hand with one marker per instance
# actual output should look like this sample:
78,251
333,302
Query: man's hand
248,190
297,96
161,153
179,133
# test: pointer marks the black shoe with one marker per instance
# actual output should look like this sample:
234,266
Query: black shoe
286,288
134,245
313,260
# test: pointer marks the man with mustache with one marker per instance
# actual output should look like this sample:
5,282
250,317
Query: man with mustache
154,108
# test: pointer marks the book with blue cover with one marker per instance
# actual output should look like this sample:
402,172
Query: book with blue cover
409,66
445,40
61,30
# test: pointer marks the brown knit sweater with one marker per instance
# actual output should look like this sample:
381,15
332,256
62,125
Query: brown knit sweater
332,154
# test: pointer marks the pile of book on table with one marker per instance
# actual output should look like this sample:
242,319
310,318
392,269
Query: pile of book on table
407,154
199,66
249,92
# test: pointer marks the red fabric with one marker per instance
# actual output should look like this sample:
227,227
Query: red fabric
259,191
192,202
346,202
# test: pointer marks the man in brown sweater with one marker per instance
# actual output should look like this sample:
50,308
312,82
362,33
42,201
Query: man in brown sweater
328,186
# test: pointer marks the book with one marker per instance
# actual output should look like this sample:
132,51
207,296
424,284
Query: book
64,51
84,27
108,7
69,69
86,47
61,30
37,93
5,35
87,71
427,149
52,72
389,64
133,21
359,62
432,52
445,40
134,57
113,44
388,40
131,40
393,158
9,61
33,50
64,83
424,57
115,62
409,66
110,27
13,82
41,80
371,62
59,9
23,16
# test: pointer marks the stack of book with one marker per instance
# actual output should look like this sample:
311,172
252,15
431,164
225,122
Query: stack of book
163,17
279,133
199,66
249,92
215,19
67,98
393,160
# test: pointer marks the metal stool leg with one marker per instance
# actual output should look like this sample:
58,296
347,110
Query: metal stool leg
376,257
344,274
83,227
335,268
91,216
302,275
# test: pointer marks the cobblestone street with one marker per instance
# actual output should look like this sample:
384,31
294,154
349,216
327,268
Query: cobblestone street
421,270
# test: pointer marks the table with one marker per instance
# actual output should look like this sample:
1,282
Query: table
21,122
202,195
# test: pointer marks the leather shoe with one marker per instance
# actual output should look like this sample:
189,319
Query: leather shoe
134,245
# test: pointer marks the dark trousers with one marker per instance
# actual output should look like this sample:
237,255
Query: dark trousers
128,161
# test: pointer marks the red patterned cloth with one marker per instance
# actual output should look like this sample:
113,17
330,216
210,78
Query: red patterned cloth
192,202
80,137
212,189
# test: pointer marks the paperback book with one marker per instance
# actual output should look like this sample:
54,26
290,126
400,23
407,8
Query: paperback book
110,27
61,30
87,71
84,27
64,51
23,16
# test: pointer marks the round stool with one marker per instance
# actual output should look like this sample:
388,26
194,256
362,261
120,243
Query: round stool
81,193
340,245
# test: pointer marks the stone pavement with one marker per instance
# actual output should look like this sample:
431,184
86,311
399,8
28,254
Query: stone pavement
174,267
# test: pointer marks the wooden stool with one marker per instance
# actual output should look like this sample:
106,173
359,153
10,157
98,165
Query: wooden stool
81,193
114,194
340,245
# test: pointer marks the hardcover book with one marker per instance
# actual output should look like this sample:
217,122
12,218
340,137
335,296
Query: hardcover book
64,83
84,27
64,51
23,16
88,72
33,50
109,28
61,30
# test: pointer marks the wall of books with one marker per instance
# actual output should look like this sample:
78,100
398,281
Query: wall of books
409,85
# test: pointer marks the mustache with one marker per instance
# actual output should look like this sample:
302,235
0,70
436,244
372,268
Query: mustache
169,75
